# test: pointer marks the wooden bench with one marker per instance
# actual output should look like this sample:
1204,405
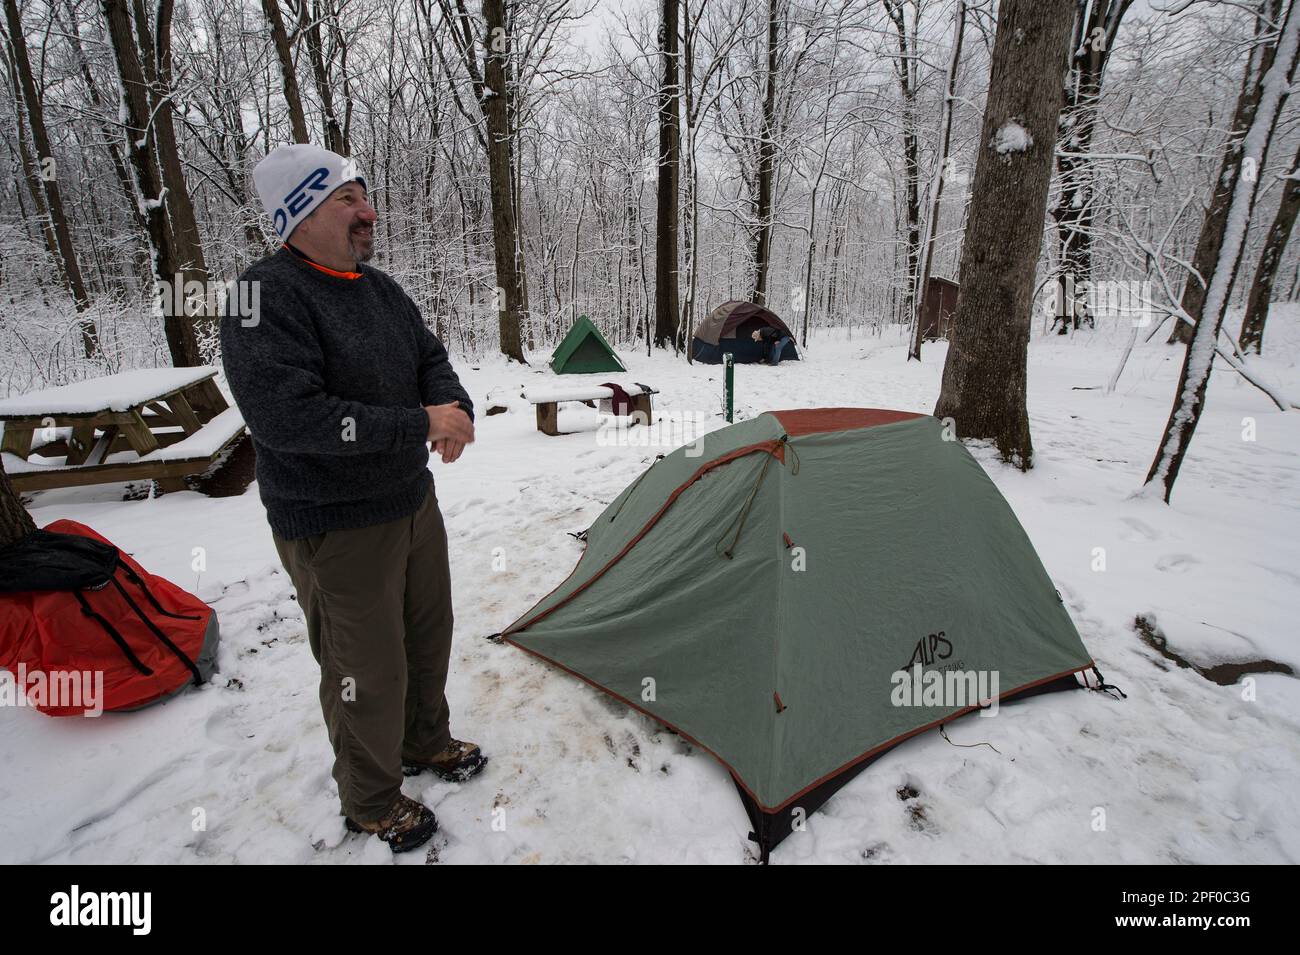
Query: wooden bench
162,424
547,402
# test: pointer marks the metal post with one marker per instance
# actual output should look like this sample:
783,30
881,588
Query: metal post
728,384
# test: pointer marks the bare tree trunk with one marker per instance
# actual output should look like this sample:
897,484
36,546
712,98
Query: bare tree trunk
341,42
137,112
766,163
48,177
1216,218
158,68
696,100
309,17
905,71
110,133
436,276
839,205
690,208
936,190
984,375
280,39
1095,27
15,522
1261,289
809,252
1265,93
496,50
30,171
26,220
514,113
631,240
667,304
229,119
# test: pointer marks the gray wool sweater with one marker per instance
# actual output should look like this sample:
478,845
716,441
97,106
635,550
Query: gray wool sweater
331,375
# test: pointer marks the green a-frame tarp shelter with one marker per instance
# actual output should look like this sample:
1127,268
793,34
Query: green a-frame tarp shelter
783,669
584,350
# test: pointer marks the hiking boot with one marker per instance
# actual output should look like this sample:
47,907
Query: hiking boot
408,825
457,763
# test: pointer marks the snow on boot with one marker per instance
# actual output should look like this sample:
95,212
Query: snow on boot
408,825
457,763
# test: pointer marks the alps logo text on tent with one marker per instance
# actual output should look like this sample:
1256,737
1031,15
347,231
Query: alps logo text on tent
299,198
929,648
102,908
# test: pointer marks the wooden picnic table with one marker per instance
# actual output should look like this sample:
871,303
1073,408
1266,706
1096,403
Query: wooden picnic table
159,423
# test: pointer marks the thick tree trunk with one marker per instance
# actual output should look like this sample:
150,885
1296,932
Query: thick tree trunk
137,111
667,302
184,225
1215,223
984,375
1265,95
280,39
514,111
766,163
1261,289
48,177
496,50
15,522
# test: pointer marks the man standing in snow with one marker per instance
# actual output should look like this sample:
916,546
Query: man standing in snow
341,385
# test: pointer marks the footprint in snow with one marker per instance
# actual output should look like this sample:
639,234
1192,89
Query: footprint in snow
627,749
877,852
1138,530
917,818
1281,573
226,726
1176,563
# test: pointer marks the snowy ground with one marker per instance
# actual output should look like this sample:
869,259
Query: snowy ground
1183,770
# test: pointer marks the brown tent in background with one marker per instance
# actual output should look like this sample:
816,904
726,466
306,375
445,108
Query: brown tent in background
730,328
939,308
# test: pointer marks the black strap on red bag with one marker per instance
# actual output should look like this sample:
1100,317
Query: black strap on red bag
50,561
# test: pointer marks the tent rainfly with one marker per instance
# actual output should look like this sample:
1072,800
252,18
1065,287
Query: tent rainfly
776,578
730,328
585,350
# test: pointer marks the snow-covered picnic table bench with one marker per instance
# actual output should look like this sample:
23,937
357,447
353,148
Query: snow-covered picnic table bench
158,423
547,402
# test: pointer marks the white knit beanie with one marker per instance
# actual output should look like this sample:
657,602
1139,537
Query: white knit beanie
293,180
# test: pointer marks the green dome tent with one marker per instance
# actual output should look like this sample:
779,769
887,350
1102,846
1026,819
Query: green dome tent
584,350
759,591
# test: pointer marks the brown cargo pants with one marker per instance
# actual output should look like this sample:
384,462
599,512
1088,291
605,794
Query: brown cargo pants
379,619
